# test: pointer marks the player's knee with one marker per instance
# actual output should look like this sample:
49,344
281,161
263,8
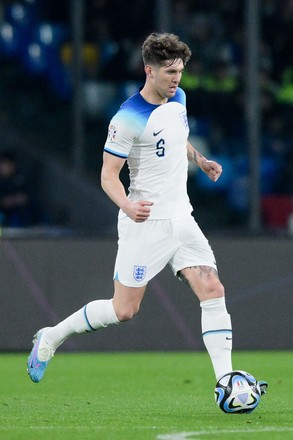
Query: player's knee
127,312
215,289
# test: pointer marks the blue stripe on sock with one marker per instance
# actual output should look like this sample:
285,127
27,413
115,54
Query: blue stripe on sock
91,329
224,330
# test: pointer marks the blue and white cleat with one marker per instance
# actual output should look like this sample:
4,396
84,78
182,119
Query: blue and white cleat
39,357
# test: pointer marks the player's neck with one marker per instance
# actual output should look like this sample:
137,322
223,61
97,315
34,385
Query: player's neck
152,96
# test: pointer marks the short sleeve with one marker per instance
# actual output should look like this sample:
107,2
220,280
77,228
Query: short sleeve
121,134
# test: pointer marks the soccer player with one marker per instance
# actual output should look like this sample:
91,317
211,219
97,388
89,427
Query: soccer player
155,224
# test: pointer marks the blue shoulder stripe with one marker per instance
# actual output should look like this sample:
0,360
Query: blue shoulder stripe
180,97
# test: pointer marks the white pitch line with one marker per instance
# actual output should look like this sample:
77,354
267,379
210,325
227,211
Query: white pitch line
193,434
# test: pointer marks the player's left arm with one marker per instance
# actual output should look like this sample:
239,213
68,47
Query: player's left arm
212,168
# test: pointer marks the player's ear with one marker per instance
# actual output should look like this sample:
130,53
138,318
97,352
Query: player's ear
148,70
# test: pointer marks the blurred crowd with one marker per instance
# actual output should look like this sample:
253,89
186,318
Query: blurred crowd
214,78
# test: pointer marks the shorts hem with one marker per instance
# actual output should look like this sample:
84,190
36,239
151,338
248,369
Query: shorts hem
131,285
185,266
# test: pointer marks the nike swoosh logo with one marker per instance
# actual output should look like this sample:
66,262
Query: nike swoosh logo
228,339
155,133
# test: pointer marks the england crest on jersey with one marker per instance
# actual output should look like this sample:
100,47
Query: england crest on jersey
139,272
183,116
112,133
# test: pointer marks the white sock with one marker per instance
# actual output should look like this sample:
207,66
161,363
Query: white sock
94,315
217,334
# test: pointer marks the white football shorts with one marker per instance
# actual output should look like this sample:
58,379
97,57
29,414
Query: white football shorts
144,249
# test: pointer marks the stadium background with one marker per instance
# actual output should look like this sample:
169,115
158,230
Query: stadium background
54,111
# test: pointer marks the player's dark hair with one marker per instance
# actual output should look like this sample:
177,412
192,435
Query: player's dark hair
157,48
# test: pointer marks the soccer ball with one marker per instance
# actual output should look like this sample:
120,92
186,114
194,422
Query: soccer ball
237,392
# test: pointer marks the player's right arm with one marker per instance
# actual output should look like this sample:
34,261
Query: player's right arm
112,165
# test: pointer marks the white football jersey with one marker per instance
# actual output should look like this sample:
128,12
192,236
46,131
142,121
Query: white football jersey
153,139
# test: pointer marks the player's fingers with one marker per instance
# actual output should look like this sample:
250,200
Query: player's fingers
214,166
145,207
217,175
217,169
144,211
146,203
141,217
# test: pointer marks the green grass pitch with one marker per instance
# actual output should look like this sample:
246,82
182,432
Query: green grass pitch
140,396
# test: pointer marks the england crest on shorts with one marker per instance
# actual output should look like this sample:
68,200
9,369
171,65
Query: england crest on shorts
139,272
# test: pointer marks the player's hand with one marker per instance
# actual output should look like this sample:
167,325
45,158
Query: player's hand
212,169
138,211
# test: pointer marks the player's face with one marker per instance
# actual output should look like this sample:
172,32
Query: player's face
166,78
